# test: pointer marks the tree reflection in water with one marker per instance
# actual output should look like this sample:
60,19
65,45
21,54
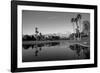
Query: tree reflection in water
38,47
79,48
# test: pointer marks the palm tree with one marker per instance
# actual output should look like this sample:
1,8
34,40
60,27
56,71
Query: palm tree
36,31
77,29
76,20
79,16
73,20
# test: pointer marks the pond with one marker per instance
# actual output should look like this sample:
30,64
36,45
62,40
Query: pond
54,51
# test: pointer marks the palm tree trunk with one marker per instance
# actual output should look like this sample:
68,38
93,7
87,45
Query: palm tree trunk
80,28
73,31
77,29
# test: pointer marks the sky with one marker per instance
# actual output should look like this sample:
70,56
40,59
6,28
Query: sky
49,22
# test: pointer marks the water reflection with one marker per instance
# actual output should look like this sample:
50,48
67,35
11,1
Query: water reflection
79,49
26,46
38,47
51,51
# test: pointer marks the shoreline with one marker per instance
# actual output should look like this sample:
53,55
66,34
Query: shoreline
80,42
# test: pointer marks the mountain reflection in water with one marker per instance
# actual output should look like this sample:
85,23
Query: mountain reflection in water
54,51
38,47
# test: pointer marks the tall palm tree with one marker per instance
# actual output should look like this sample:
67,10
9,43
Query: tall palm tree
77,29
78,24
36,31
79,17
76,20
73,20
